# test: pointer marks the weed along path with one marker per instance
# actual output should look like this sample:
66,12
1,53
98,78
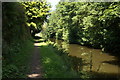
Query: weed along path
35,67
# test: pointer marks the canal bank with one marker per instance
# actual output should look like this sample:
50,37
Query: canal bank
94,60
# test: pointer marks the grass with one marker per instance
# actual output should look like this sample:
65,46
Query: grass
17,64
53,64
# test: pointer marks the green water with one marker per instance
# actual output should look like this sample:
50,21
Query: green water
94,60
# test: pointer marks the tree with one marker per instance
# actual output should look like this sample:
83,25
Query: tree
94,24
37,13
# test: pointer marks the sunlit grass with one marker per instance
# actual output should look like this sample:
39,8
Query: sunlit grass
40,44
53,65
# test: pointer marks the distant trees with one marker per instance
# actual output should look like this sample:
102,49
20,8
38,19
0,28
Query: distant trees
94,24
18,19
36,13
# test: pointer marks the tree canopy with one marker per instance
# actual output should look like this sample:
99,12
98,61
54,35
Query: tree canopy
36,13
94,24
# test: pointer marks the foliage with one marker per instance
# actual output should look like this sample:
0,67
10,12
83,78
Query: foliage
58,64
16,41
14,22
54,65
15,31
94,24
16,66
36,13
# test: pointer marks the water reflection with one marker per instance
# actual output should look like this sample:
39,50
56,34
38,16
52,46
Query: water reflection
100,61
65,46
76,63
92,60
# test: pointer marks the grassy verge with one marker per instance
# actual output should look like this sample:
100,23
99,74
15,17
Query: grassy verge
54,65
16,65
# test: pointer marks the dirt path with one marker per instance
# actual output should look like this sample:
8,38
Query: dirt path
35,66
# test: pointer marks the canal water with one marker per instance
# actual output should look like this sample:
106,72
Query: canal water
94,60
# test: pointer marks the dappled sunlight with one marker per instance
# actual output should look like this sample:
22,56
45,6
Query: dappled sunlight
34,75
83,54
47,60
40,44
72,39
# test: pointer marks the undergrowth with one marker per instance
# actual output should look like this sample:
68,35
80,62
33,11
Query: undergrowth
15,63
54,65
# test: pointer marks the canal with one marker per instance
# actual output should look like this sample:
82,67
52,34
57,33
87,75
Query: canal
94,60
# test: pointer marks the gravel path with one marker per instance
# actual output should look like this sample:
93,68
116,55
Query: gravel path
35,66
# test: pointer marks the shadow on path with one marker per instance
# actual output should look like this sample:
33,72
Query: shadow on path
35,66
